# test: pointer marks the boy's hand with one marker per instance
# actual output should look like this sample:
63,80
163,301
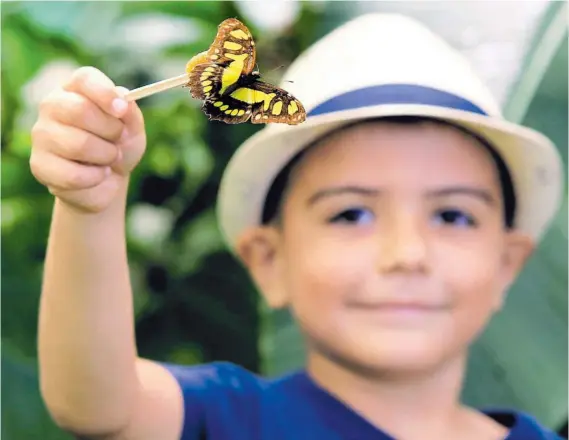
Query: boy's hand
86,141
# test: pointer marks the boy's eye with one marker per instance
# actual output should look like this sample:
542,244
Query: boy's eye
454,217
354,215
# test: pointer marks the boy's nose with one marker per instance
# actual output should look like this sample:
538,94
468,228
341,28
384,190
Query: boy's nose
403,246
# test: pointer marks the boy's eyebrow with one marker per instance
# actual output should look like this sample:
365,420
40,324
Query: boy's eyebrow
338,190
480,193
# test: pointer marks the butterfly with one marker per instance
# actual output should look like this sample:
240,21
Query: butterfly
231,90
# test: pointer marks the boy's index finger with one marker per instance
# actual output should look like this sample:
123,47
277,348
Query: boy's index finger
98,88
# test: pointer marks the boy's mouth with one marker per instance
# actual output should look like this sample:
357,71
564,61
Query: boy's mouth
394,305
400,311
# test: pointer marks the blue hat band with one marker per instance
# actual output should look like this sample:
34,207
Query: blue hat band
395,94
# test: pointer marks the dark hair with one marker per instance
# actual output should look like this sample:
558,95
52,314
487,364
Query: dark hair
273,201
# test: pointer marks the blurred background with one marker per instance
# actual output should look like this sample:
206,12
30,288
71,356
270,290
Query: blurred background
194,302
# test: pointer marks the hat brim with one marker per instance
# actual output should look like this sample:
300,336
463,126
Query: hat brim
531,158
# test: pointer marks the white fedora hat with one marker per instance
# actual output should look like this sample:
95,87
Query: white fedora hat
381,65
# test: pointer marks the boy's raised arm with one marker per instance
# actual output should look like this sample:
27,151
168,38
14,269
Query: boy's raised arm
85,144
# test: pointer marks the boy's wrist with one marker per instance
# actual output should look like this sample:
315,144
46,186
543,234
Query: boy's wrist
115,208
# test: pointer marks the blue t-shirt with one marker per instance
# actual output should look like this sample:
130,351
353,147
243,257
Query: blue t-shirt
226,402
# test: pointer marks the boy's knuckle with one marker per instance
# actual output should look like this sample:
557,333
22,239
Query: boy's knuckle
74,178
79,147
34,165
83,74
54,191
38,133
49,103
81,106
116,129
38,169
80,112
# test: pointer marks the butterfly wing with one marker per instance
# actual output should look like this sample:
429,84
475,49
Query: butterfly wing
231,55
234,46
206,80
227,109
270,103
260,101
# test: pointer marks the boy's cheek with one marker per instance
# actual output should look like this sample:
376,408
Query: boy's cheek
477,294
321,279
316,251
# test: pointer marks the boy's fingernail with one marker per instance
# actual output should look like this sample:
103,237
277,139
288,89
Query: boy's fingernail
119,106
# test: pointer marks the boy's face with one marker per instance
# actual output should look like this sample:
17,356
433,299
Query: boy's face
392,253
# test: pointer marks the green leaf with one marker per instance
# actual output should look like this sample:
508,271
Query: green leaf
24,416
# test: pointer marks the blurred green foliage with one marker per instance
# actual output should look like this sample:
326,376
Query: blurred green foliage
194,303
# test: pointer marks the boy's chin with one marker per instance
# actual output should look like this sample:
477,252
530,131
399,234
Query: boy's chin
395,358
399,363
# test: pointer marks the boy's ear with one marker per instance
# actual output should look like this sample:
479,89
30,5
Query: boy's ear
260,251
518,249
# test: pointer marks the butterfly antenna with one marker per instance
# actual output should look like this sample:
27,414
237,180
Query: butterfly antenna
280,67
277,68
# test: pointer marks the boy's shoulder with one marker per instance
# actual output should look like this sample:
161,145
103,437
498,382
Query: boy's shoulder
223,401
231,380
226,401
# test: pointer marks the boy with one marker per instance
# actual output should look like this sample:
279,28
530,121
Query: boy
392,223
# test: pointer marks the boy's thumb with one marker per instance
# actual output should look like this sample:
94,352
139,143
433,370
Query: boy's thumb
133,118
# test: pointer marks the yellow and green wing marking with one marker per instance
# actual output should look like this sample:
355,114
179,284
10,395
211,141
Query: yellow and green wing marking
261,102
231,91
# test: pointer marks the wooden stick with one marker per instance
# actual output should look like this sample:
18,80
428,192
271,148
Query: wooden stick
157,87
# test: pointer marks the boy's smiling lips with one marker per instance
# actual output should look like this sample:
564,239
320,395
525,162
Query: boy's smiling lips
398,305
399,309
419,294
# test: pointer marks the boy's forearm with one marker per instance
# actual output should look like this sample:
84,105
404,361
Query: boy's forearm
87,346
